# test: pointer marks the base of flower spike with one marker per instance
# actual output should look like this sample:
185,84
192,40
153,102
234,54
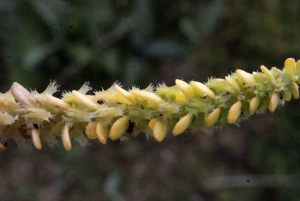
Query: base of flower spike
115,112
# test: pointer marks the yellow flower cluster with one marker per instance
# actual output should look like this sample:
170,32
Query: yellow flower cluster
116,113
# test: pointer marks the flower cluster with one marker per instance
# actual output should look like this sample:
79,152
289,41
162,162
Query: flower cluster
116,113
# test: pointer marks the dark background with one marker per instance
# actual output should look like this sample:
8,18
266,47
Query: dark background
137,43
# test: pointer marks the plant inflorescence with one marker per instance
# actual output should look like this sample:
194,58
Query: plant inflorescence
116,113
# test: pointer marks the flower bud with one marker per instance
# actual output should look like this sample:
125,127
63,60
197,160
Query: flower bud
273,102
231,82
295,90
36,138
152,123
84,100
185,88
234,112
22,95
90,130
147,96
119,128
267,72
160,129
254,103
201,88
290,66
182,124
125,94
102,132
245,77
65,136
213,117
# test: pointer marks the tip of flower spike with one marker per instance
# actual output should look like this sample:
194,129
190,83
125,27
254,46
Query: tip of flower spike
290,66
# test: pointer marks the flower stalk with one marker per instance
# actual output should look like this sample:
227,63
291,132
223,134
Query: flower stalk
117,113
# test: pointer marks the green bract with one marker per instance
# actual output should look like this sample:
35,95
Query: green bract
116,113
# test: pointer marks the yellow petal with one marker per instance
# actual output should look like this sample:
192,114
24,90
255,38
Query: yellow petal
245,77
84,100
273,102
182,124
65,136
203,89
290,66
160,129
36,138
125,94
119,128
213,117
120,99
234,112
147,96
185,88
233,83
267,72
90,130
254,103
295,90
102,132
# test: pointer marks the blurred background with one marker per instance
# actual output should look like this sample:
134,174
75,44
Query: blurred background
140,42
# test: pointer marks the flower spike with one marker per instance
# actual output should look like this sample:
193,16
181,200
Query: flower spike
110,114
